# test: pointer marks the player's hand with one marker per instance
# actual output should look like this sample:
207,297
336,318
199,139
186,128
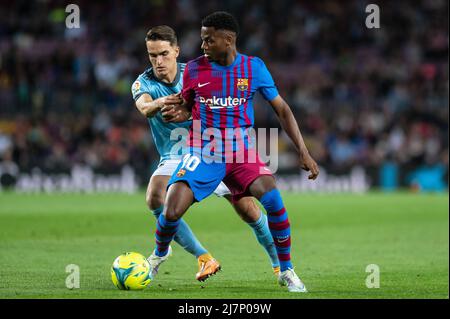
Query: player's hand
175,113
309,165
173,99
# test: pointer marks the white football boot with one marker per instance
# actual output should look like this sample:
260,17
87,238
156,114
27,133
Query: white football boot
290,279
156,261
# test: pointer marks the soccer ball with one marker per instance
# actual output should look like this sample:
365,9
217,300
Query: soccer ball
131,271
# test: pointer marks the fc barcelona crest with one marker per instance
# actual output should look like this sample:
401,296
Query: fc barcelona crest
242,84
181,173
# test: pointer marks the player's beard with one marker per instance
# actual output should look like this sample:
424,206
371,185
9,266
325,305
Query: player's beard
215,57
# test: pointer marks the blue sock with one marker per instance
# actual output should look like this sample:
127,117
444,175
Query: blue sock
165,231
184,236
264,237
279,226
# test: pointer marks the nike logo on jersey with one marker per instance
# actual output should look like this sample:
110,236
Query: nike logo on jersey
203,84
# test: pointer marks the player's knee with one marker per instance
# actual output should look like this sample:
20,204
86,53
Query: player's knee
262,185
247,210
254,212
154,200
178,199
172,214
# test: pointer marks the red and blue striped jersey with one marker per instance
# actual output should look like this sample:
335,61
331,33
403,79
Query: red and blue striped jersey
222,96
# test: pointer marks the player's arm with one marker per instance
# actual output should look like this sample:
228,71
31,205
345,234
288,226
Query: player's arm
183,111
290,125
149,107
177,112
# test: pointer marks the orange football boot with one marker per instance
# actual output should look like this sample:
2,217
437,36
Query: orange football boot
207,266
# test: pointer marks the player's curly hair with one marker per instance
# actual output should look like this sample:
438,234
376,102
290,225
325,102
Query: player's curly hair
163,33
221,20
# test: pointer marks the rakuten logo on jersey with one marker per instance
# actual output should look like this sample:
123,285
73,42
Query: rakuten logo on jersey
218,103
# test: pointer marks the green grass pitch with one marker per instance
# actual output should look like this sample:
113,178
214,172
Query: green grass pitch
335,236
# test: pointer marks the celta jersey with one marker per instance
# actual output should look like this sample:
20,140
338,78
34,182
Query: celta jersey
148,83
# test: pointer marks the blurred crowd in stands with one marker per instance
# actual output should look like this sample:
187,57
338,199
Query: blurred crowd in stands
361,96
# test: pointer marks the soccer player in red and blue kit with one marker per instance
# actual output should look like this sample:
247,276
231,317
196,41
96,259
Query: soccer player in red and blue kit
218,88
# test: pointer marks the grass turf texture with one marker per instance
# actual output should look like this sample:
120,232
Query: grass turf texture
334,238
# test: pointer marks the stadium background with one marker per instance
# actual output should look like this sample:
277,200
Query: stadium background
371,103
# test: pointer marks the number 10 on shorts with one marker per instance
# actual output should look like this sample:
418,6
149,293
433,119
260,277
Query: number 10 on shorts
190,162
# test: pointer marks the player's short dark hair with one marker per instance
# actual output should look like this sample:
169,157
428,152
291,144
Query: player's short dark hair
162,33
221,20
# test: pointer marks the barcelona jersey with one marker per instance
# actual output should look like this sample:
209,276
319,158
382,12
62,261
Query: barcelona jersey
222,100
222,96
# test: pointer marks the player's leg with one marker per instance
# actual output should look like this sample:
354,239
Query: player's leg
166,231
250,213
156,193
264,189
178,199
192,181
255,179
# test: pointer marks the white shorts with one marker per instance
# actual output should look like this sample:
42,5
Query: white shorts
168,167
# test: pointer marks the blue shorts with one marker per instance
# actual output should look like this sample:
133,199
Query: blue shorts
202,177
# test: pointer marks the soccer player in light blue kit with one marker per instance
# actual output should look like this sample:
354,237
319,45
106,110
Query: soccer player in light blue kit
157,87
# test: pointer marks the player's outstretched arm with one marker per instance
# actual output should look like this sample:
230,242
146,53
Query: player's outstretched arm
149,107
290,125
